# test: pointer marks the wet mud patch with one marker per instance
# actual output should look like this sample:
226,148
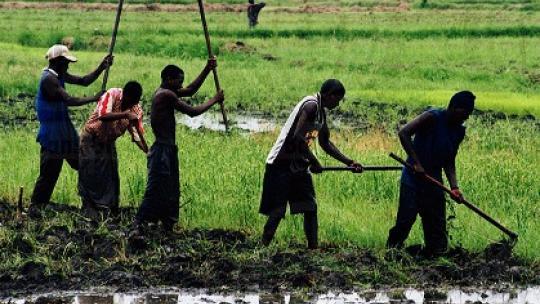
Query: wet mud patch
68,252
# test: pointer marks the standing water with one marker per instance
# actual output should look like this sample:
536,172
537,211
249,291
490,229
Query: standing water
529,295
253,122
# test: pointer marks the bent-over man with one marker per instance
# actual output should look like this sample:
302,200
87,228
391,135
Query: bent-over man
287,178
118,110
437,135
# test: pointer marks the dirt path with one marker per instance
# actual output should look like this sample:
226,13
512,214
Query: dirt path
236,8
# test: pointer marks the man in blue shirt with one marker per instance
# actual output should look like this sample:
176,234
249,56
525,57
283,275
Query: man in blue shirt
437,136
57,136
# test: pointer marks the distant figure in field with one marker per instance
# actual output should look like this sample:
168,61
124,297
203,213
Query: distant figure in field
57,136
437,135
162,196
253,11
287,176
118,110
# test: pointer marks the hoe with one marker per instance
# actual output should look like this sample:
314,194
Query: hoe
513,236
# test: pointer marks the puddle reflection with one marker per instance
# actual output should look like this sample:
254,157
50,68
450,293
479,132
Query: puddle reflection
529,295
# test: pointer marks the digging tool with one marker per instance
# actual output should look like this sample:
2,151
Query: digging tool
20,204
113,42
364,168
210,55
513,236
111,49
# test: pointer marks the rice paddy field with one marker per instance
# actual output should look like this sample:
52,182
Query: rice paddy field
393,64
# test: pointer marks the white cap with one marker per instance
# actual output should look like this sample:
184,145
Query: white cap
59,50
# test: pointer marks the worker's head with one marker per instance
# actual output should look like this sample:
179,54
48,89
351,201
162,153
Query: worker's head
251,1
332,92
59,58
461,106
172,77
131,94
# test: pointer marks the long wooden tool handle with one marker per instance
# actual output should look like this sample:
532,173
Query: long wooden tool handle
20,202
469,205
365,168
113,42
210,54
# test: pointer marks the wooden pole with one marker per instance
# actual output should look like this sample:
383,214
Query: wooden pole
210,54
20,203
113,43
365,168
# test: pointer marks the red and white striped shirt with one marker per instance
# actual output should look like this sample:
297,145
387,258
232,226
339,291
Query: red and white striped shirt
109,131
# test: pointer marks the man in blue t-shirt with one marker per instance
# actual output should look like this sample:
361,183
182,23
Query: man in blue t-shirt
437,135
57,136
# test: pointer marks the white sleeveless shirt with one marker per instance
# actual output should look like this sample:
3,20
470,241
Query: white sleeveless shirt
286,131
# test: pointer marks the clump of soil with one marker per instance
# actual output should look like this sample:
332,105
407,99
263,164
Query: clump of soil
68,41
238,47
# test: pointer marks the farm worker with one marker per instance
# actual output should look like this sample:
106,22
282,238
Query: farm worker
57,136
253,11
437,136
162,194
118,110
287,175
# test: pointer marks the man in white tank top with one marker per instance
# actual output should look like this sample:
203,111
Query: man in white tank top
287,176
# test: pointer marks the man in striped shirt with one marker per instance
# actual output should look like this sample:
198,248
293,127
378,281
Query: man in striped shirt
287,178
118,110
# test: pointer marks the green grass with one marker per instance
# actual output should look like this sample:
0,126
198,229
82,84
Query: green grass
221,183
363,3
409,59
525,5
414,58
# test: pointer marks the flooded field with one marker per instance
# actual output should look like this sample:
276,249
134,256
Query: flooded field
530,295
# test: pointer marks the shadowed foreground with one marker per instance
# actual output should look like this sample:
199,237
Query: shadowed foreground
45,256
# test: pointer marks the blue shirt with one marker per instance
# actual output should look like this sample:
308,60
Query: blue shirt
436,147
56,131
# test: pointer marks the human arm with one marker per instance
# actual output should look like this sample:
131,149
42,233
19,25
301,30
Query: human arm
194,86
137,136
92,76
192,111
119,115
450,171
54,91
421,122
328,146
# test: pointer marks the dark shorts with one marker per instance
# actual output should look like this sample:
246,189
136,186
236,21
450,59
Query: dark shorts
162,196
281,186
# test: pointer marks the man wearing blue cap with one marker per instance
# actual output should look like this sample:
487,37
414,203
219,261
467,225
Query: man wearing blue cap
437,135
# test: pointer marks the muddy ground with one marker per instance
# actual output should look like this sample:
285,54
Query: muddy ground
60,250
215,7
